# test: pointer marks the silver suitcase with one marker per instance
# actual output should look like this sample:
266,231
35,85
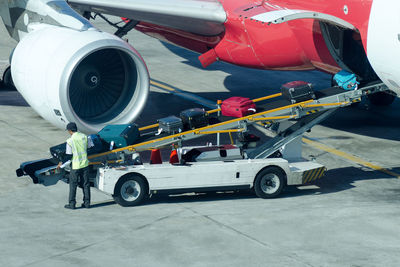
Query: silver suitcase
170,124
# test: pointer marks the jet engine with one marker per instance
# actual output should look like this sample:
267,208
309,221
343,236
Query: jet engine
89,77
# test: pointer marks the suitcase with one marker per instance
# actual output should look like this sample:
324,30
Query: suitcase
237,106
297,91
194,118
171,124
98,145
346,80
122,134
58,152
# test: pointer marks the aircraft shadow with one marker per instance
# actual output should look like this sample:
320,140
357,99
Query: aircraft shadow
10,97
363,119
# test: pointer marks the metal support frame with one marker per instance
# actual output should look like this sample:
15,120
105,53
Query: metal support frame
307,114
301,126
122,31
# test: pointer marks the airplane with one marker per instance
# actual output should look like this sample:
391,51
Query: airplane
67,70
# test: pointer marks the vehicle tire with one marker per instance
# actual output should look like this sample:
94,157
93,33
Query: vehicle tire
381,99
7,79
269,182
130,190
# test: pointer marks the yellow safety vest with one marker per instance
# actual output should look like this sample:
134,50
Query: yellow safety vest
78,142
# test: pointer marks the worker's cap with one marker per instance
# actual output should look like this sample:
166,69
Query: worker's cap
71,127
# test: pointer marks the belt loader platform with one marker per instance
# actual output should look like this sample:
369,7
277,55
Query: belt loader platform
116,177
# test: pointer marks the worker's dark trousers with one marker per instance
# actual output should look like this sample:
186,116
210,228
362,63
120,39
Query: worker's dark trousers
80,176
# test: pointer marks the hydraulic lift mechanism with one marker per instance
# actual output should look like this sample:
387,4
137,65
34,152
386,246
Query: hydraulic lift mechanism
114,172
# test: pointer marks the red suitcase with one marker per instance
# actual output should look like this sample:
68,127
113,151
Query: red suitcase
237,106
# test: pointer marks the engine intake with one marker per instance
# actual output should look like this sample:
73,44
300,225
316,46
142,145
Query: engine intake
89,77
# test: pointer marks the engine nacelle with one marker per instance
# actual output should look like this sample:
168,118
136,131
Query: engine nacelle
89,77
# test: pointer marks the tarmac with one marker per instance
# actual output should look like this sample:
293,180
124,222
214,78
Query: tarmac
348,218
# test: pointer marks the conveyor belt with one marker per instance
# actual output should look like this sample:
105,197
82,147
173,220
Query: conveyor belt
268,110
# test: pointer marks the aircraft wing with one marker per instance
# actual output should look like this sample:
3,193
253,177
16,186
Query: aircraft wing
204,17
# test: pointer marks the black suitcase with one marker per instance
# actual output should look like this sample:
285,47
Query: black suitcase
98,145
194,118
171,124
297,91
58,151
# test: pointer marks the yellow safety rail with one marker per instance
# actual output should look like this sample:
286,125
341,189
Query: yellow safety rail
326,104
221,131
249,117
148,127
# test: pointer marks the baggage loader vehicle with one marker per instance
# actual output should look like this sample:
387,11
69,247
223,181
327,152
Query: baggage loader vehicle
130,185
293,120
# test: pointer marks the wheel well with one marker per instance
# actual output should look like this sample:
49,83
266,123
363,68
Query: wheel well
131,174
272,166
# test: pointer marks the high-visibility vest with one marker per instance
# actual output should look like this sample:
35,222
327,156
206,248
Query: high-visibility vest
78,142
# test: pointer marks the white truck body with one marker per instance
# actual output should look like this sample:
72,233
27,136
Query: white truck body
204,176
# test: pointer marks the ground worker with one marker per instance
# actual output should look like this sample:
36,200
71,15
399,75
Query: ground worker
77,146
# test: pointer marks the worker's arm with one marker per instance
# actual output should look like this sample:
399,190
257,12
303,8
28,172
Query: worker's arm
89,142
68,157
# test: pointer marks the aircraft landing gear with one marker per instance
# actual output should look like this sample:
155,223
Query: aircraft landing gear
382,98
7,82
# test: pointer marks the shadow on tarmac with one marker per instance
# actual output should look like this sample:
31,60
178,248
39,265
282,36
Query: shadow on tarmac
11,97
335,180
363,119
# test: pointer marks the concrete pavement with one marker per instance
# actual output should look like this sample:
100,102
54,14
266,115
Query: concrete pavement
349,218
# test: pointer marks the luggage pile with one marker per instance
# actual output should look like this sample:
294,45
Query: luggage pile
110,137
188,119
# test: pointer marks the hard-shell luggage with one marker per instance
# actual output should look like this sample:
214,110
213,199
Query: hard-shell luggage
122,134
346,80
194,118
98,145
58,152
237,106
170,124
297,91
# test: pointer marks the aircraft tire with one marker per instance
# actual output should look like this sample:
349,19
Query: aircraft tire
7,82
130,190
269,182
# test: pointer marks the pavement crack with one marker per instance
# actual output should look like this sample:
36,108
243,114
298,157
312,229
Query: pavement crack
263,244
104,240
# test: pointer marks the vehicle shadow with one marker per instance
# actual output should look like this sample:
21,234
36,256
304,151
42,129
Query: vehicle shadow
335,180
101,204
